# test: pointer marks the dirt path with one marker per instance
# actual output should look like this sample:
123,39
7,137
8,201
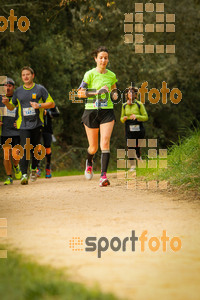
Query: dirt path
45,215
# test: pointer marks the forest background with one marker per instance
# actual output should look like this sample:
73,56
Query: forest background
58,47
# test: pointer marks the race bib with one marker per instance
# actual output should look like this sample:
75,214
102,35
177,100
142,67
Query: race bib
101,103
29,111
134,127
11,113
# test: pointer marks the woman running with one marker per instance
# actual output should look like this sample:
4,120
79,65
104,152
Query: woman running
96,87
133,114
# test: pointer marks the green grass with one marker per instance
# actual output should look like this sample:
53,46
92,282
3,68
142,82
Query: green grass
22,279
60,173
183,164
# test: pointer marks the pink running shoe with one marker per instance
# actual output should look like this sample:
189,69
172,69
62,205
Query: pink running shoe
88,171
104,180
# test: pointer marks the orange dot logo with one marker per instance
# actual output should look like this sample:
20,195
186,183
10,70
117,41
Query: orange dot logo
76,244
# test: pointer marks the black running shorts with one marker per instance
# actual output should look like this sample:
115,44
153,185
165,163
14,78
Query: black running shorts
92,118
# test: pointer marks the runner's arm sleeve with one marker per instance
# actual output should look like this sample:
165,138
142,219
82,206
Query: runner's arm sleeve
122,114
144,116
114,80
46,97
86,82
83,85
87,79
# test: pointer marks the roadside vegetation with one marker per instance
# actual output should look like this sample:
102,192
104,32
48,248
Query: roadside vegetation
23,279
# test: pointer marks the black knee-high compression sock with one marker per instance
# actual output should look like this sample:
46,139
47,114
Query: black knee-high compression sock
48,159
105,156
89,158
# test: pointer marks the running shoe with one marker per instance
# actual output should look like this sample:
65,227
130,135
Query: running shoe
88,171
48,173
38,172
104,181
9,180
24,179
18,173
33,174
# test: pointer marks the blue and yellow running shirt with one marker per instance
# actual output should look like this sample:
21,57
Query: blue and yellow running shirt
30,118
96,80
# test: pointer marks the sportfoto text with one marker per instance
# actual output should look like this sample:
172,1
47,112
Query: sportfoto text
116,244
154,95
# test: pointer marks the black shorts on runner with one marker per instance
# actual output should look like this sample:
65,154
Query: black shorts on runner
15,140
92,118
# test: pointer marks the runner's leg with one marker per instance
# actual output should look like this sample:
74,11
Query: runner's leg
92,136
105,135
47,137
24,134
35,140
8,164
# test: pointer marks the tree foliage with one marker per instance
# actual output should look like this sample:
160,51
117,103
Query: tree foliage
59,43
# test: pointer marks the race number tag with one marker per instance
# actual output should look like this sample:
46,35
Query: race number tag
29,111
134,127
100,103
11,113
